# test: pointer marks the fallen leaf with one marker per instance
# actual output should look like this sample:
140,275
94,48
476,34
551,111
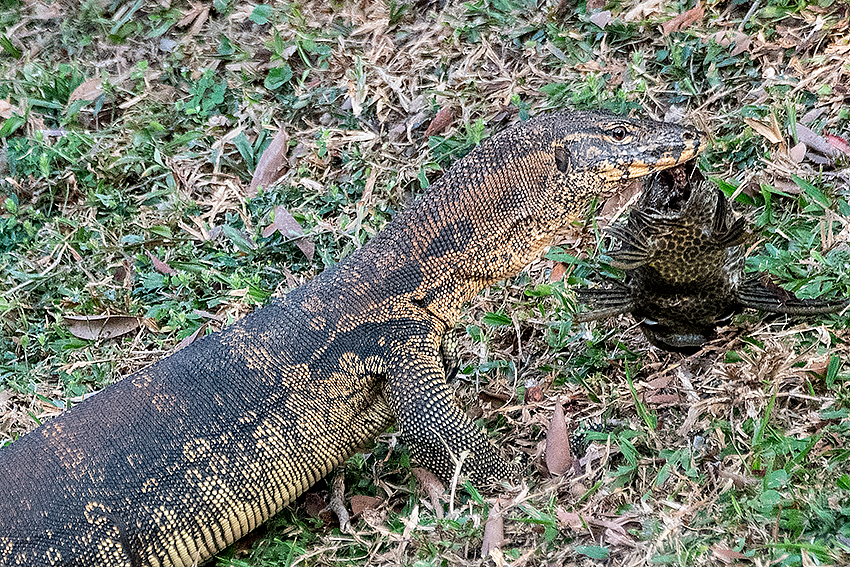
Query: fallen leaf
797,153
124,274
361,502
199,22
644,10
615,529
663,399
621,198
191,14
160,266
533,395
738,480
751,188
50,12
496,399
817,365
433,487
298,152
286,224
557,443
558,271
287,52
812,115
7,109
815,142
94,327
191,338
683,20
272,163
88,90
727,555
314,504
787,187
742,44
441,121
376,520
569,519
601,19
494,535
660,382
770,132
368,188
838,143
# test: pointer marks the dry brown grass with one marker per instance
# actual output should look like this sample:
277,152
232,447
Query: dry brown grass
373,82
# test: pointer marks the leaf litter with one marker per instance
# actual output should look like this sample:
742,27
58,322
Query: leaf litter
760,382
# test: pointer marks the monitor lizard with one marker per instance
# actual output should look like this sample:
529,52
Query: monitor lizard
175,462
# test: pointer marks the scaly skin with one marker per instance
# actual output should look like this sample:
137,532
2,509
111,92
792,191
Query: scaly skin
177,461
684,252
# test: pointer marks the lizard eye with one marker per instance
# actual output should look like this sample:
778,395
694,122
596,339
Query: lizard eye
619,133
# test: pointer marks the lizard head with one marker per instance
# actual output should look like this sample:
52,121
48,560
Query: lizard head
617,147
595,151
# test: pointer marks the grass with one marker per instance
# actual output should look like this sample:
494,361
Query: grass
132,130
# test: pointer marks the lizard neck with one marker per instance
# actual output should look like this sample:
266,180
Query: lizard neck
461,237
495,211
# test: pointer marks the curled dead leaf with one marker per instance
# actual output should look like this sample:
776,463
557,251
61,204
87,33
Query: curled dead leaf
160,266
815,142
683,20
124,274
94,327
432,486
558,271
569,519
769,132
797,153
494,533
622,198
361,502
817,365
314,504
88,90
441,121
558,457
7,109
533,395
286,224
337,505
272,163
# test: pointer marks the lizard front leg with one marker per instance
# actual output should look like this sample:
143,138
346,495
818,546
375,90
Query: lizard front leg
434,427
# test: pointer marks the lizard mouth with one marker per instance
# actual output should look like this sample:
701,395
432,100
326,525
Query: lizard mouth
694,142
669,190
